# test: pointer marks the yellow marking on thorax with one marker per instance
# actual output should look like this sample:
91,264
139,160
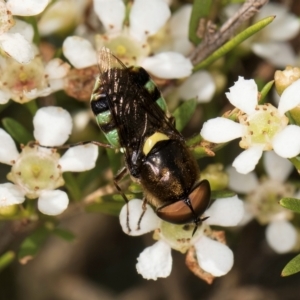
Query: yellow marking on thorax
152,140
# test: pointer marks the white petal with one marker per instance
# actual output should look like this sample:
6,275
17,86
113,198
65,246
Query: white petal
277,167
290,97
10,194
25,29
16,46
278,54
281,236
80,158
200,85
26,7
56,68
243,95
221,130
53,203
225,212
168,65
155,261
147,17
248,159
287,142
248,214
284,27
180,20
52,126
213,257
8,149
241,183
111,13
4,97
79,52
132,212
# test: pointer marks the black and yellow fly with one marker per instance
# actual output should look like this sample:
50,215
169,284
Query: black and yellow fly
132,114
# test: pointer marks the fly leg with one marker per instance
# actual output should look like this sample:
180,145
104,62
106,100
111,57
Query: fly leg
118,178
99,144
144,207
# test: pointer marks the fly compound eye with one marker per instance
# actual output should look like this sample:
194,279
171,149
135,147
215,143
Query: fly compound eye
200,197
187,210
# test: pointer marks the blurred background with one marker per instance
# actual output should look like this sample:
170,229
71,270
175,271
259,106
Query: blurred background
99,262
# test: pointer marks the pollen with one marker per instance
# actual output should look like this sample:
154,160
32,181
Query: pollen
262,126
121,50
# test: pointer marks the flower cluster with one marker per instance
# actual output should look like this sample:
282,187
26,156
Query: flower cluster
213,256
37,171
261,127
262,200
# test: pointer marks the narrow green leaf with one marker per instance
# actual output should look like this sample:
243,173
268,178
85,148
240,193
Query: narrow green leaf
184,113
265,90
201,9
296,162
6,259
32,107
72,186
234,42
292,267
64,234
32,244
222,194
291,203
17,131
295,115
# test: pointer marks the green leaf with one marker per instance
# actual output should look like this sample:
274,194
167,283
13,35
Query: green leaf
184,113
32,244
64,234
17,131
72,186
201,9
292,267
6,259
234,42
32,107
291,203
265,90
296,162
295,115
222,194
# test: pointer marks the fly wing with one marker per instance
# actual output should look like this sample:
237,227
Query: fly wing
134,109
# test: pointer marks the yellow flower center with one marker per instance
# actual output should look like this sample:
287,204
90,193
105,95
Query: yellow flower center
35,170
262,126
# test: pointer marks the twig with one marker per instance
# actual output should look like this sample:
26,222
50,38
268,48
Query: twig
213,40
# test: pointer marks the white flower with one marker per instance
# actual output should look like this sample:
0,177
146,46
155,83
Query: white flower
178,31
53,19
271,42
13,42
36,172
261,127
262,200
129,44
23,83
156,261
199,85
